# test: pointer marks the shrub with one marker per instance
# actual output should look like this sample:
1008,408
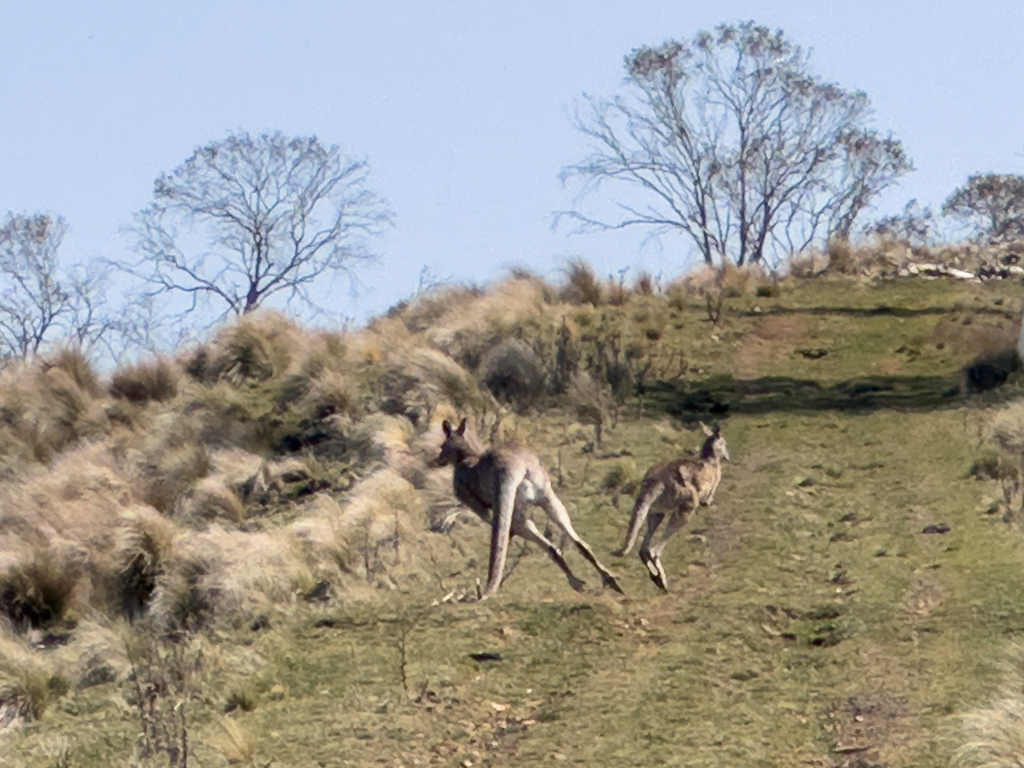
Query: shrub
989,371
581,284
512,372
156,379
645,285
808,264
841,257
591,402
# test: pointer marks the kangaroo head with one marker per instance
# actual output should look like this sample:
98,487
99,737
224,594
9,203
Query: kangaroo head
714,446
457,445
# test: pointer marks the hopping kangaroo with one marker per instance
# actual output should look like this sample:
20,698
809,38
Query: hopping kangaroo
674,490
500,485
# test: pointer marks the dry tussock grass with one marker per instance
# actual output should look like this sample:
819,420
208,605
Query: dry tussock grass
75,364
582,285
224,577
256,348
166,458
467,331
135,519
38,592
213,499
45,409
235,743
29,682
1005,430
144,518
141,382
994,733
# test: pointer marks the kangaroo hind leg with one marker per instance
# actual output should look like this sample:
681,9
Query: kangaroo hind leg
674,525
532,533
648,496
560,517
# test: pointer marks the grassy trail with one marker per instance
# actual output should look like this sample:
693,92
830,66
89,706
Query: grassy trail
810,620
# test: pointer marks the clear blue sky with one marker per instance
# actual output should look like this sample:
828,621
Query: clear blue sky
461,107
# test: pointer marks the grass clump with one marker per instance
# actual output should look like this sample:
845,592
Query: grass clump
46,408
255,349
152,380
145,548
73,362
165,479
235,743
994,732
212,499
29,685
582,285
621,476
37,593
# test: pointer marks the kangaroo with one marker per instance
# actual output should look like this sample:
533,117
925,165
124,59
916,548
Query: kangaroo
674,490
500,485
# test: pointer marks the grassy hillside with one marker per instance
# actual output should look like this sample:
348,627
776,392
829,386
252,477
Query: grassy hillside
247,542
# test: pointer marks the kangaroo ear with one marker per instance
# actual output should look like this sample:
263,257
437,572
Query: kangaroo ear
447,428
462,428
707,429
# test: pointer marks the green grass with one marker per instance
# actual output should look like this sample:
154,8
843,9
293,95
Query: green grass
808,612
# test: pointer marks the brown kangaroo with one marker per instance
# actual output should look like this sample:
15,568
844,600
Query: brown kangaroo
501,484
674,490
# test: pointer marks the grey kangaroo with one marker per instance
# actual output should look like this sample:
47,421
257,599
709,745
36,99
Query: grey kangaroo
674,490
501,484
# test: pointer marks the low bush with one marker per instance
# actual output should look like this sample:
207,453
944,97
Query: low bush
513,374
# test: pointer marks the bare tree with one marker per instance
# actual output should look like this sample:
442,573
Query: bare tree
732,141
991,204
40,302
249,218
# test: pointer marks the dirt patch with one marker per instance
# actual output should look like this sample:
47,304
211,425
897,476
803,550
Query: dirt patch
760,349
780,328
861,730
923,597
965,335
